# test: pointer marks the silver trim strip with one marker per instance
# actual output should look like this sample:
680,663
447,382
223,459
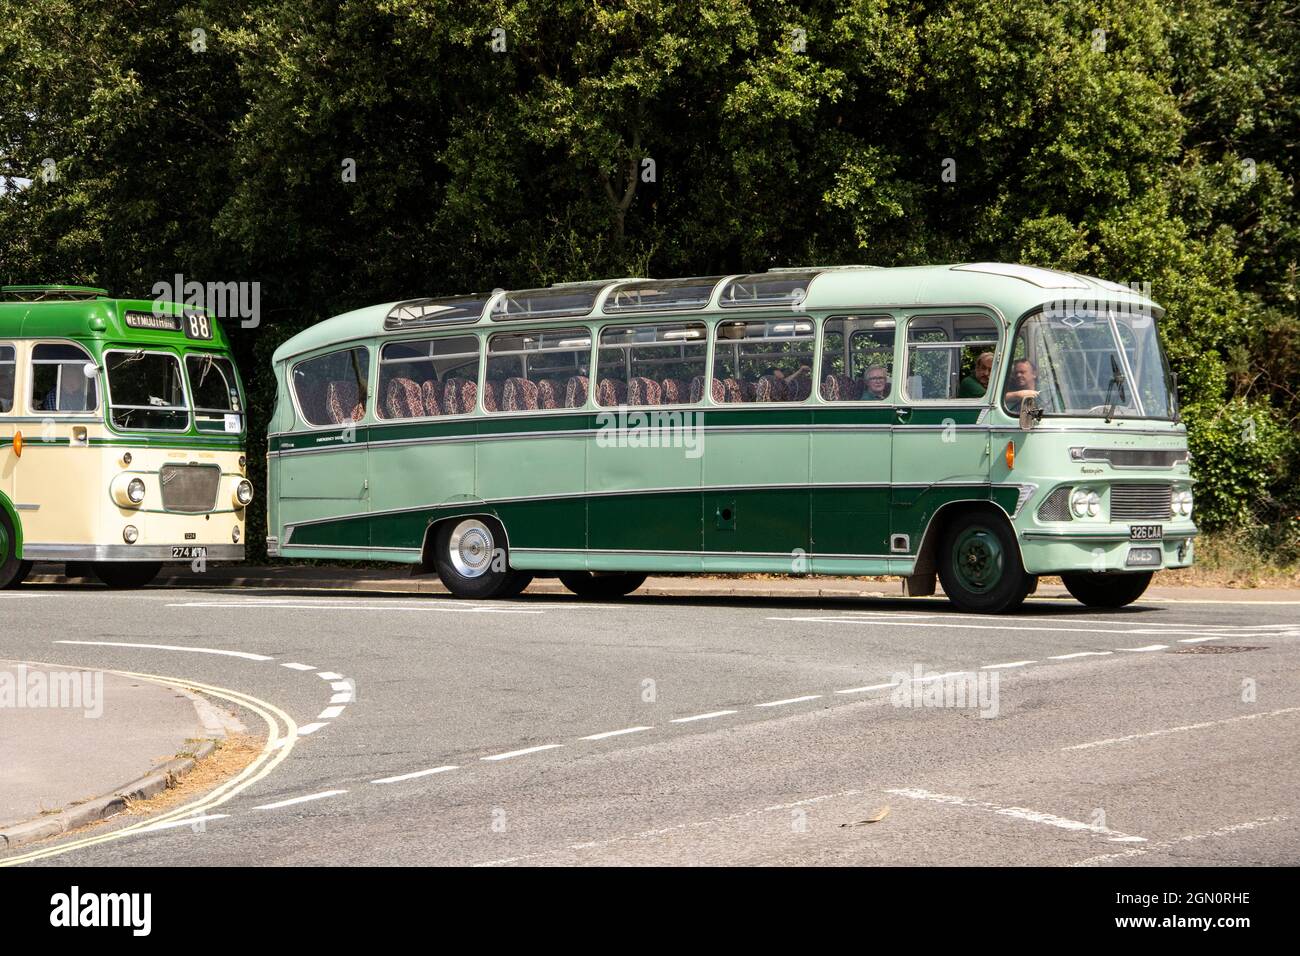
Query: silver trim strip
126,552
705,554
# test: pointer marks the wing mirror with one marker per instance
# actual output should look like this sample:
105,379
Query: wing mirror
1030,413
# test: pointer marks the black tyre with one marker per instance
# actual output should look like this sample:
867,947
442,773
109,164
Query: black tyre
979,565
127,574
602,586
1107,589
471,558
12,570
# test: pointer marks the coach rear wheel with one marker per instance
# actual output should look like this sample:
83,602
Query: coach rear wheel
12,570
979,566
588,585
1106,589
471,559
127,574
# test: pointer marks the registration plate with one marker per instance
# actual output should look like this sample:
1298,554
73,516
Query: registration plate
190,552
1146,532
1143,558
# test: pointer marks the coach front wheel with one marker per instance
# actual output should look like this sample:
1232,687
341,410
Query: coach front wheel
470,556
979,565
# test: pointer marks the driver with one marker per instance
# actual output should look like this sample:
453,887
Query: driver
1023,384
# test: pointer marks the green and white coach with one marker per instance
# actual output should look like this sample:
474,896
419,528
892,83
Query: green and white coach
980,423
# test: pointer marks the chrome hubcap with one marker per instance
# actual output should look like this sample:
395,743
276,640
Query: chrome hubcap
471,548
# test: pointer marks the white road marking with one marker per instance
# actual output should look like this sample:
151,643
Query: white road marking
174,647
324,606
1149,647
933,677
1179,730
299,667
187,822
1191,837
708,716
342,685
1070,657
343,697
616,733
789,700
863,690
1018,813
306,729
330,713
329,675
418,773
520,753
980,627
994,667
288,803
1199,640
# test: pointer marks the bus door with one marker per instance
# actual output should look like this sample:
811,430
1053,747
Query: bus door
8,397
323,471
851,446
941,442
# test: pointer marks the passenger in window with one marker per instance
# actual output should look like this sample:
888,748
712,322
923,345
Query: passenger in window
877,384
976,384
1023,382
69,395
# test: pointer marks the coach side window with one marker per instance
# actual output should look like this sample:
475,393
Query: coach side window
428,377
949,358
857,359
59,380
763,361
331,389
652,364
8,372
541,369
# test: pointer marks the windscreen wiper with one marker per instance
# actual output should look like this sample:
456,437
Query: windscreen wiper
1116,383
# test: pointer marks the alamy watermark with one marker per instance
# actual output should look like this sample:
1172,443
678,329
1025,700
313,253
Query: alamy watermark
225,300
637,428
25,688
964,690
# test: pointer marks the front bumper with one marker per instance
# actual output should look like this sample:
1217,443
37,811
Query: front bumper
128,552
1051,552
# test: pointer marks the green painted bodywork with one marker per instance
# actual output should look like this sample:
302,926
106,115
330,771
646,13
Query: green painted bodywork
815,487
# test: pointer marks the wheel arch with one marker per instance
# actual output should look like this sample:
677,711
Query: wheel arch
435,525
8,508
926,554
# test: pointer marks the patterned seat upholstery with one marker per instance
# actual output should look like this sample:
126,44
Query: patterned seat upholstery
611,391
459,396
431,392
697,390
799,389
575,391
841,388
405,399
490,391
674,391
644,391
549,394
769,388
518,395
343,402
735,391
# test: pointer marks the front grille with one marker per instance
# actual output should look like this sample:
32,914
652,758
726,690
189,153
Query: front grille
1141,502
189,489
1134,457
1056,506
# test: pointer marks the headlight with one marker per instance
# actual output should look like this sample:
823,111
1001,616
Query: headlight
1094,504
244,493
1079,500
135,490
1182,503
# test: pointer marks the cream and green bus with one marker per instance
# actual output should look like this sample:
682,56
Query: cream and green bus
122,431
981,424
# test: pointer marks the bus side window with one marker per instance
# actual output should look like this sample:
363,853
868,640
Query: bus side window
8,373
763,360
651,364
537,370
426,378
331,389
946,367
59,381
857,359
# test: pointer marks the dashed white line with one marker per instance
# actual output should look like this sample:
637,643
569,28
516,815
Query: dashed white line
1179,730
708,716
1199,640
342,697
1191,837
341,685
1148,647
1070,657
789,700
174,647
1018,813
299,667
330,713
616,733
520,753
329,675
306,729
863,690
416,774
994,667
311,796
